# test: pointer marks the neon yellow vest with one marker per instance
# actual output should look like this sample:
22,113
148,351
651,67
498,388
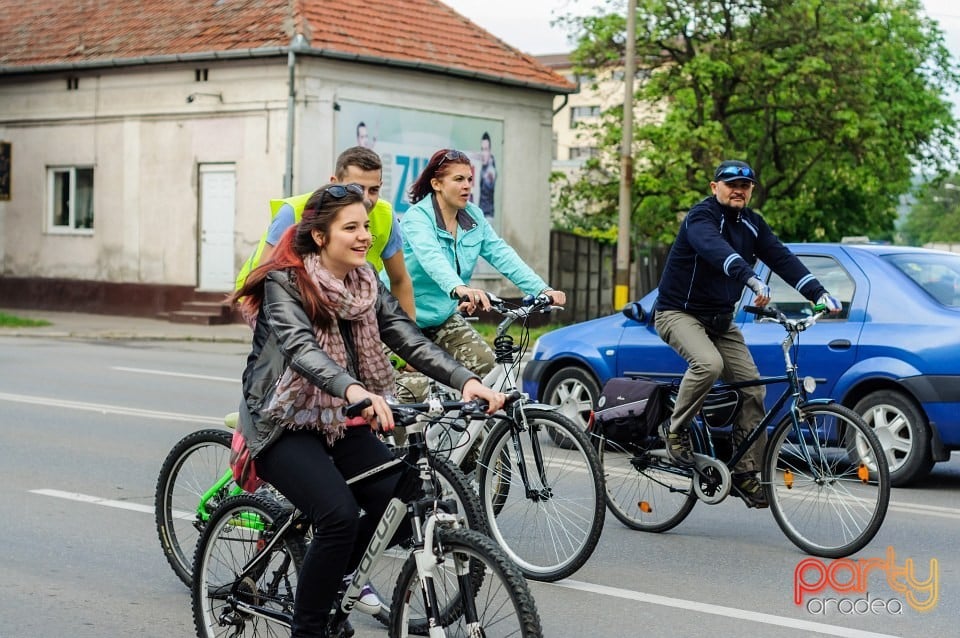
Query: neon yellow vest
381,223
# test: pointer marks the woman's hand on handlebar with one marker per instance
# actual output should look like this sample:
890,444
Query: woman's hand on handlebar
473,389
471,299
557,297
378,414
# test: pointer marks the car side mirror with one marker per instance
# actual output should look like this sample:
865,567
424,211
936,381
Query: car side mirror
634,310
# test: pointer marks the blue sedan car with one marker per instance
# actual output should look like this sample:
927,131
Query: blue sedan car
893,353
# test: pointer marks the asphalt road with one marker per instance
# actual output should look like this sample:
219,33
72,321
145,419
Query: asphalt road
84,426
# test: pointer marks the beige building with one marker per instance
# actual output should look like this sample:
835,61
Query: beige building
576,113
143,141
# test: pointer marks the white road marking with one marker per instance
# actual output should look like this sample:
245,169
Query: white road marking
95,500
184,375
717,610
603,590
110,409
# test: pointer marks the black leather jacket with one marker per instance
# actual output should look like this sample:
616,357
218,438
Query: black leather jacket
285,336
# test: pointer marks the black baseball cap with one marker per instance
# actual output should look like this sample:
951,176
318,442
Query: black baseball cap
733,170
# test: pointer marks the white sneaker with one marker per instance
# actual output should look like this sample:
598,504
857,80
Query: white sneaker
369,601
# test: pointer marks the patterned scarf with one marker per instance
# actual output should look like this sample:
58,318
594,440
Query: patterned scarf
299,404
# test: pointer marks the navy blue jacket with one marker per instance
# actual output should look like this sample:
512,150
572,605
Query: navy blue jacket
713,257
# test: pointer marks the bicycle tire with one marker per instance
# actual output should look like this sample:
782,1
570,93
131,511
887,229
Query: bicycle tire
644,491
550,530
229,540
191,467
453,482
505,606
840,512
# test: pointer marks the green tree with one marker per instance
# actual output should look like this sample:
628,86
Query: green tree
935,216
833,103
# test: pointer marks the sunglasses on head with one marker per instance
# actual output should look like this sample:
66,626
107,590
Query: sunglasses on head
339,191
735,171
454,156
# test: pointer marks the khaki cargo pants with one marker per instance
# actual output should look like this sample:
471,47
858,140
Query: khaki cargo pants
725,357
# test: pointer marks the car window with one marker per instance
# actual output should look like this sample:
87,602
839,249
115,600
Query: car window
937,273
828,272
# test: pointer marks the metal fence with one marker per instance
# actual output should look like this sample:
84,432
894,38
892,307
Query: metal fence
584,268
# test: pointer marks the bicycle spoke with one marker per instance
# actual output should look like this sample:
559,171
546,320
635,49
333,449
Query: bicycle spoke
823,493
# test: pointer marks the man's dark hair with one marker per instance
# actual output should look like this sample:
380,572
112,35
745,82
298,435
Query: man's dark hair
359,156
485,136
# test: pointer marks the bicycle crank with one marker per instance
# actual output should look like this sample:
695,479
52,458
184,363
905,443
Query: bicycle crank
711,479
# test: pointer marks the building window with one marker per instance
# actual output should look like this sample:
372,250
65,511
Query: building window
582,152
70,206
580,113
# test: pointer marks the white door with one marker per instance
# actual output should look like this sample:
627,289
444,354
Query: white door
218,193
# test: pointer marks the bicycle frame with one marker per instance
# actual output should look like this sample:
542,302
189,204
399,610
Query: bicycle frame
505,377
426,518
203,514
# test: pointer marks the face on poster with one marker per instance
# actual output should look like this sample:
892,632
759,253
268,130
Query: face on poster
406,138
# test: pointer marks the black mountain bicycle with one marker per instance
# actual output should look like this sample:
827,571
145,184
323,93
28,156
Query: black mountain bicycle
824,471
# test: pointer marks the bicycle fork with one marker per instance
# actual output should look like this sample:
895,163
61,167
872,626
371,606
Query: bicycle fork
521,426
427,559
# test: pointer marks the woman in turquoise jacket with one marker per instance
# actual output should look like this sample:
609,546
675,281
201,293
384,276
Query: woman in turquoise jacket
444,235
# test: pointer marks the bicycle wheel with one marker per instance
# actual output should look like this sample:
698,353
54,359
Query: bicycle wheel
498,603
828,484
191,468
546,513
451,484
644,490
231,538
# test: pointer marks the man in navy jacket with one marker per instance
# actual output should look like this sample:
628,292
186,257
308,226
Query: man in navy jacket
709,263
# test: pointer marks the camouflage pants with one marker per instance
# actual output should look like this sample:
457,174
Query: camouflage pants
456,336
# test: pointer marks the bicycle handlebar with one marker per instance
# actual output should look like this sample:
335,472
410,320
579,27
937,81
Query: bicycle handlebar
773,314
406,413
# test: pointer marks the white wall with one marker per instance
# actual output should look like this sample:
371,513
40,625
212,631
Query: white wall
145,141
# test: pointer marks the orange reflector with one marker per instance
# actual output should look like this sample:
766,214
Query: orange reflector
863,473
788,479
644,507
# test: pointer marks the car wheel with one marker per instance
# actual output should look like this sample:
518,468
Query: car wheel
575,391
903,433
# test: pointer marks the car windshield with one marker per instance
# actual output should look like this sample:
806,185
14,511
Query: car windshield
937,273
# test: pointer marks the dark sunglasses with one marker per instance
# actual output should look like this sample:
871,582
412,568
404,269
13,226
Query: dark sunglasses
735,171
339,191
453,156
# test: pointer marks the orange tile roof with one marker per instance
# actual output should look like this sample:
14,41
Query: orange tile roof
44,35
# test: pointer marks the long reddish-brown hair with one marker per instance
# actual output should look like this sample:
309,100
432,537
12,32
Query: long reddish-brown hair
296,243
438,166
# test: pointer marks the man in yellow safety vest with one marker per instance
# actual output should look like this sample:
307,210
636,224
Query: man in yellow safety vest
356,165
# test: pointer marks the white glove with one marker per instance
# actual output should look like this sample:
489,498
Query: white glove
759,288
831,303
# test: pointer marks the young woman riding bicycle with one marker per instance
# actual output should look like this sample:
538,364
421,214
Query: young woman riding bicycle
444,236
321,315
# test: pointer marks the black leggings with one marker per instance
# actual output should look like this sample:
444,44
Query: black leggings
312,475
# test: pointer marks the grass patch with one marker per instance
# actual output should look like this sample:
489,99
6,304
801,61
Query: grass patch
488,331
10,321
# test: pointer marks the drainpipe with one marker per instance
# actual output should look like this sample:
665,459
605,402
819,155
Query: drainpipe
295,45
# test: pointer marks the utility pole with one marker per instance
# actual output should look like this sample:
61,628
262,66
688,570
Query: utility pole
621,290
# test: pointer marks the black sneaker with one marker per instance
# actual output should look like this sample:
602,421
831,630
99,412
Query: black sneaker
750,490
677,445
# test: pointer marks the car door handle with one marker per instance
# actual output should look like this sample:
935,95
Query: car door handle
839,344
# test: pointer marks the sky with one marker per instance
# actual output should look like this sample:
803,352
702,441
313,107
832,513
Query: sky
525,24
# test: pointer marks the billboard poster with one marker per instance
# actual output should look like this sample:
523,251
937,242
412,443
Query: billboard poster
406,138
